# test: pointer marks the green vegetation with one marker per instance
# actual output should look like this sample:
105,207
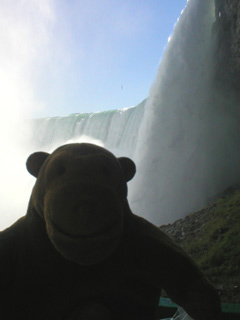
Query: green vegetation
215,245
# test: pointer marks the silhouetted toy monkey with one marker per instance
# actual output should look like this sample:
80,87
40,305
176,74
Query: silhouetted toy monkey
80,253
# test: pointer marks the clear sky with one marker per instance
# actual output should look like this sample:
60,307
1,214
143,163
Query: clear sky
72,56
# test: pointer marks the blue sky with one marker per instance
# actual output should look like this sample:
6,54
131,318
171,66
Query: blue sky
75,56
71,56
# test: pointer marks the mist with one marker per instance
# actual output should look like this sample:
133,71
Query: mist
188,149
24,38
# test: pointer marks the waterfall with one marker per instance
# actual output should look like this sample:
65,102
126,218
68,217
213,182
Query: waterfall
184,138
116,130
189,146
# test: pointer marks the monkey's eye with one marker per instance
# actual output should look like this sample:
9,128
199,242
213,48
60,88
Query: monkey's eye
61,170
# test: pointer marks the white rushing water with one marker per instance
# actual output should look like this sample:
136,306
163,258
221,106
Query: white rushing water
189,146
116,130
184,138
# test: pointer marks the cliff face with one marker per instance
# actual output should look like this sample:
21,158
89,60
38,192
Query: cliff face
227,31
211,238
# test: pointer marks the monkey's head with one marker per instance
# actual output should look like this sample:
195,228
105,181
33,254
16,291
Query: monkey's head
81,193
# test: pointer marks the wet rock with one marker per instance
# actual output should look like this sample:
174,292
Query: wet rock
227,31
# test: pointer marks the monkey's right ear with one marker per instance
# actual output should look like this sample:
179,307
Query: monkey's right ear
128,166
35,162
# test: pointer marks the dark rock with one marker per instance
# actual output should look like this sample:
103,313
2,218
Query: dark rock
201,232
227,31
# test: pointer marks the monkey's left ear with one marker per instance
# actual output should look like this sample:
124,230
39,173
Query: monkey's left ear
35,162
129,168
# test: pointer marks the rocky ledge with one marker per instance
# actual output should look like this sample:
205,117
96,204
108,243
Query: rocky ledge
211,237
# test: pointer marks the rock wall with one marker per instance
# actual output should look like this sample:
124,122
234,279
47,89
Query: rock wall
227,31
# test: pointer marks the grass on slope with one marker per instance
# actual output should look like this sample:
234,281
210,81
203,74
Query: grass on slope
216,248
